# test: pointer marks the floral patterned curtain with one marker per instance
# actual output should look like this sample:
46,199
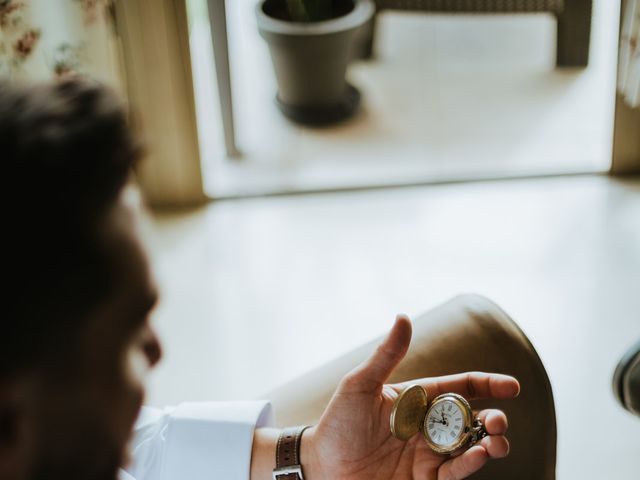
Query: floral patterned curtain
629,71
43,39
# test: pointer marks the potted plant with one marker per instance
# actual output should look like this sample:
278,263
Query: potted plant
311,44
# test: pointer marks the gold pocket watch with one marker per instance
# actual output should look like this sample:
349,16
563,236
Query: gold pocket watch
447,423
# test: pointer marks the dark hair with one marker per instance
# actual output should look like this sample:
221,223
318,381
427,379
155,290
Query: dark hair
66,152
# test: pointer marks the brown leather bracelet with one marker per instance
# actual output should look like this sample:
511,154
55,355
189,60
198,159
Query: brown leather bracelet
288,454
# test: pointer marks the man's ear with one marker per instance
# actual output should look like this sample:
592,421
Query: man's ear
14,446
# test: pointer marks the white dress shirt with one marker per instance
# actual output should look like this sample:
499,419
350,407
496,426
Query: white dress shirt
196,441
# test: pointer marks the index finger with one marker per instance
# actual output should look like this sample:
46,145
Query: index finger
471,385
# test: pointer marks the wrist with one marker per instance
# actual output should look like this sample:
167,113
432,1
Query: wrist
263,453
309,459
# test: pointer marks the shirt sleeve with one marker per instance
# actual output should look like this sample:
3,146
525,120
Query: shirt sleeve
196,441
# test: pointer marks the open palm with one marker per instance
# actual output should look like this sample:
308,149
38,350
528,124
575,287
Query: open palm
353,439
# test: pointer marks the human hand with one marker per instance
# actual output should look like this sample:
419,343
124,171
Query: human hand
353,439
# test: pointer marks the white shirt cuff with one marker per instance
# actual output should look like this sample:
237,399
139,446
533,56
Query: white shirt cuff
212,440
197,441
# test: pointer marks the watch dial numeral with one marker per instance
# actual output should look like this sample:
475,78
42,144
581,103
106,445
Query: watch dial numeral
445,423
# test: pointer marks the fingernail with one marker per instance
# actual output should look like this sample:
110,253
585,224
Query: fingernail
516,389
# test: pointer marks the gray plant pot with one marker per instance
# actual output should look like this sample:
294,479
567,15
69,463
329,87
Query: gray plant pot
310,61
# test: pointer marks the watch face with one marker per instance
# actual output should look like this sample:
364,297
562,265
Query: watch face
445,424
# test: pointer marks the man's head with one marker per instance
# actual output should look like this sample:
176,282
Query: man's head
75,338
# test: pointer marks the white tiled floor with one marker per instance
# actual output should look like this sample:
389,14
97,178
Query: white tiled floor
561,255
447,97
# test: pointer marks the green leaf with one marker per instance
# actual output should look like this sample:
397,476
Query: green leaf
309,10
318,9
297,11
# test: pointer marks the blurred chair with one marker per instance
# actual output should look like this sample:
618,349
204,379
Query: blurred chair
467,333
573,16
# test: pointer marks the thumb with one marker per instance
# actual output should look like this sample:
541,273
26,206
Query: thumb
373,373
